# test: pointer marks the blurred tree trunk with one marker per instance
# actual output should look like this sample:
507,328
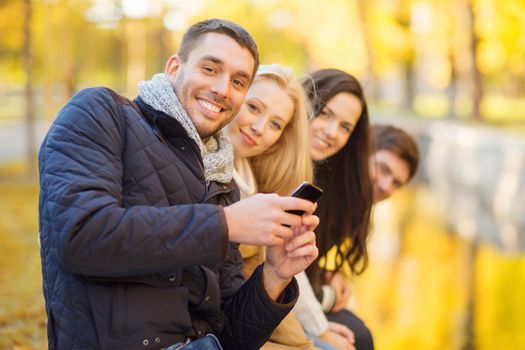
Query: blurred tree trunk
409,66
410,75
28,92
70,64
48,81
374,83
470,257
477,84
458,56
164,48
452,89
136,43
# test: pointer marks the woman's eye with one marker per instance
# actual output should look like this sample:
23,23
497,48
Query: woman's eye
323,113
276,125
253,107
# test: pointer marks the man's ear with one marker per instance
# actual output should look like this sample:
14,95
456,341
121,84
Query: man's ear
172,67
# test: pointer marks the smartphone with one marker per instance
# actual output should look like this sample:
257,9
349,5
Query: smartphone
306,191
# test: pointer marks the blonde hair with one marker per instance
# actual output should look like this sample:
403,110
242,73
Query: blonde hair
287,163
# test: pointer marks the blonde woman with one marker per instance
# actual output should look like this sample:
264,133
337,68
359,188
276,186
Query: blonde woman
270,140
270,144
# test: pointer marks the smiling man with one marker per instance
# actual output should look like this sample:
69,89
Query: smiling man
394,160
211,106
139,224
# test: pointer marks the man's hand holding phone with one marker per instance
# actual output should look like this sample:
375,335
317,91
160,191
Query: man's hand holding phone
273,221
306,191
266,219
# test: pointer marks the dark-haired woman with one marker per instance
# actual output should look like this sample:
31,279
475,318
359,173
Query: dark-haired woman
339,146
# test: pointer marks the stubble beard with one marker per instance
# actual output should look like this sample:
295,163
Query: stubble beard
184,91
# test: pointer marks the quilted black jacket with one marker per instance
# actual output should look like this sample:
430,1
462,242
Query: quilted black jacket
133,241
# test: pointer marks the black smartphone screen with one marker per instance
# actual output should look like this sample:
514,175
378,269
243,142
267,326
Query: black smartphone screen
306,191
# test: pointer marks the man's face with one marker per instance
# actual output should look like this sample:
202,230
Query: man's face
388,173
212,82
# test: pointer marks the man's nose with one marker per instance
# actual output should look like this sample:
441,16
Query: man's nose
387,185
221,86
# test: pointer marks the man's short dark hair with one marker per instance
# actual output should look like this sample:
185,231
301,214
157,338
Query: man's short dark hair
221,26
397,141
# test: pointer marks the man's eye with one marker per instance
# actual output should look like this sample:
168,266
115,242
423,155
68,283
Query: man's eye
208,69
239,83
383,169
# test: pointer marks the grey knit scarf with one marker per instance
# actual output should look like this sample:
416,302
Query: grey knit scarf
216,151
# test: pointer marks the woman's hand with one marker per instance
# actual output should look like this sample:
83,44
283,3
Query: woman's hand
342,289
283,261
337,341
342,330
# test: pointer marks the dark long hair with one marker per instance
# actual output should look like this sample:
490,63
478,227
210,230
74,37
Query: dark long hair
344,209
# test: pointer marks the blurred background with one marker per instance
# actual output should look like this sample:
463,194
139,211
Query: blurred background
447,254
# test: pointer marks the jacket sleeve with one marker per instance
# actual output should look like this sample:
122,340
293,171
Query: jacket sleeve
84,226
230,273
251,315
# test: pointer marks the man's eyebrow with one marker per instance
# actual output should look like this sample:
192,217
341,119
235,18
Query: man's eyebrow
245,75
214,59
220,62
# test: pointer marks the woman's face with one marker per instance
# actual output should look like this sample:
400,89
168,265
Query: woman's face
332,127
264,114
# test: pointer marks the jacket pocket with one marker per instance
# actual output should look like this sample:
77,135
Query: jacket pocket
154,309
118,321
127,316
